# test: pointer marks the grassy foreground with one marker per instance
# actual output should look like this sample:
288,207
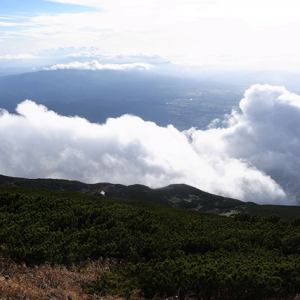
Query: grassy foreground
156,250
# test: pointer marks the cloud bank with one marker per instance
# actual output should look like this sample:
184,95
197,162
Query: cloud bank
95,65
254,158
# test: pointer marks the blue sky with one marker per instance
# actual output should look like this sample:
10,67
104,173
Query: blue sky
224,34
21,7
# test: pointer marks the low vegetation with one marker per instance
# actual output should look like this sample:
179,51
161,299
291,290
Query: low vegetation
150,249
46,281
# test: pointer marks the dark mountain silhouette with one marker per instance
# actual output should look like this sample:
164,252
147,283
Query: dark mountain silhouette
179,195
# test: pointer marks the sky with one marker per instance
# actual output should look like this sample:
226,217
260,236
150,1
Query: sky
222,34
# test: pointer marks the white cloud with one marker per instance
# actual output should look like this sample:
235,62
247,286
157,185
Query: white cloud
95,65
254,12
18,56
255,158
6,18
10,24
265,134
95,54
86,54
225,33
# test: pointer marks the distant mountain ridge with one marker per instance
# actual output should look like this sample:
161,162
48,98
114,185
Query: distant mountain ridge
178,195
102,94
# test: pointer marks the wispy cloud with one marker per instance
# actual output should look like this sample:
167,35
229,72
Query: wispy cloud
95,65
6,18
280,12
10,24
86,54
19,56
190,32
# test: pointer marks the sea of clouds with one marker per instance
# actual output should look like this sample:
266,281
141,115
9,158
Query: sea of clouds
253,156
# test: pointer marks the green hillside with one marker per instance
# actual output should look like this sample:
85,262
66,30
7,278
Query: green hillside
178,195
158,250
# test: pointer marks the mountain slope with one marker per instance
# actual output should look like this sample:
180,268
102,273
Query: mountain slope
152,249
179,195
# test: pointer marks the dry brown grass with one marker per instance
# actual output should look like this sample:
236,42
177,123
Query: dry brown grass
18,281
